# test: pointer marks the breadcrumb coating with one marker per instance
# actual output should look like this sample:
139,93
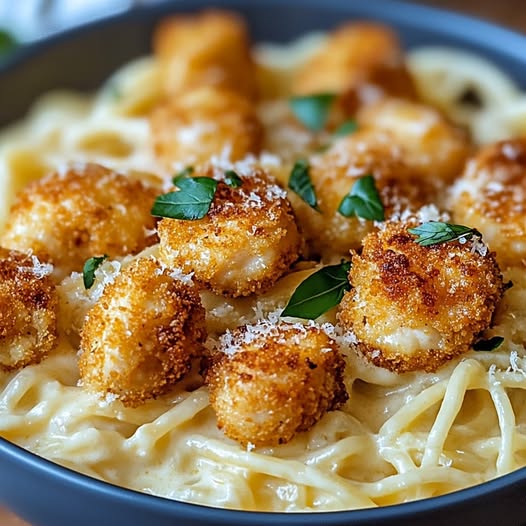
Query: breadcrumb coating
246,242
362,63
333,174
491,196
28,310
205,122
432,145
413,307
268,382
66,218
211,48
141,336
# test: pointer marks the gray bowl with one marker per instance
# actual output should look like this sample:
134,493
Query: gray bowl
46,494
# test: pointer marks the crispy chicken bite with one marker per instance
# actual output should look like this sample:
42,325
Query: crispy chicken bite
360,62
333,174
66,218
245,243
211,48
28,310
285,136
142,334
268,382
432,145
491,196
415,307
205,122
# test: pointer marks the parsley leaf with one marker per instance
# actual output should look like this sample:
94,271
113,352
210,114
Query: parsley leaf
436,232
301,184
232,179
346,128
7,42
192,201
488,345
88,272
183,174
363,201
312,110
320,292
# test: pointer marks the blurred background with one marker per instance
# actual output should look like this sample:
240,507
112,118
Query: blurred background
509,13
34,19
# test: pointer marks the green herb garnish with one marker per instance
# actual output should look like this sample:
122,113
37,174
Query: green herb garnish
88,271
363,201
7,42
346,128
300,183
232,179
488,345
320,292
192,201
435,232
183,174
312,110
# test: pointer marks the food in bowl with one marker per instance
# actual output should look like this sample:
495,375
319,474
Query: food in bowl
281,288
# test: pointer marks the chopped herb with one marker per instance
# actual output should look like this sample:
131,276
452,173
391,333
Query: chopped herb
192,201
363,201
88,272
232,179
300,183
435,232
346,128
320,292
312,110
7,42
508,285
488,345
183,174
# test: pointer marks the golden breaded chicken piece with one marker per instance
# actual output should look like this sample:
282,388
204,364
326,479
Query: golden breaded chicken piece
414,307
246,242
211,48
432,144
361,62
89,210
268,382
142,334
491,196
205,122
28,310
334,173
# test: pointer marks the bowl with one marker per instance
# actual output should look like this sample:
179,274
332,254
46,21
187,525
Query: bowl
46,494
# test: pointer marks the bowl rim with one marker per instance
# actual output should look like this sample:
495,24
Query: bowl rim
504,40
124,495
507,42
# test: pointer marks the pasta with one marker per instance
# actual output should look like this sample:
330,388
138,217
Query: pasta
399,437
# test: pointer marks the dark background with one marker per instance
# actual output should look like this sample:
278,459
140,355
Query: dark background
511,13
